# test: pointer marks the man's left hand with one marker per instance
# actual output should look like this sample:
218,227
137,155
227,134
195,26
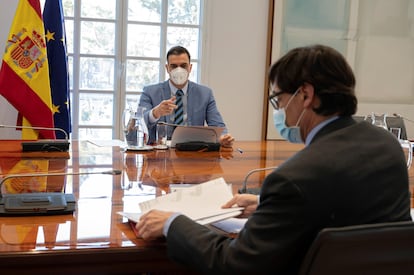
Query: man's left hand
226,140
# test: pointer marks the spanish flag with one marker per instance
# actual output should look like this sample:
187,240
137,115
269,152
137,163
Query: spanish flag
24,74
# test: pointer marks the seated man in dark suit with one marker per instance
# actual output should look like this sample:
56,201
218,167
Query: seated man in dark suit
199,106
348,173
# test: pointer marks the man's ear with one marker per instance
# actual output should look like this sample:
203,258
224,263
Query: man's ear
308,94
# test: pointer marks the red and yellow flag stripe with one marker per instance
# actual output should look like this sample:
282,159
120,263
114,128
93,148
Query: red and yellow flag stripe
24,75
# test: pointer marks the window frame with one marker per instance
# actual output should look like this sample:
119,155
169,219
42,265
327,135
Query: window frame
120,56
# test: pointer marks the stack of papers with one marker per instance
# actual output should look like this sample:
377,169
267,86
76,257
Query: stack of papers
201,203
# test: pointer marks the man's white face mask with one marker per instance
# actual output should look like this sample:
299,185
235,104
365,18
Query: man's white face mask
179,75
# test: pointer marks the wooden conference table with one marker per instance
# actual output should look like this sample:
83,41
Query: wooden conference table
95,239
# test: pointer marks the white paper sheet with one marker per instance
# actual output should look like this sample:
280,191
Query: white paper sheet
198,202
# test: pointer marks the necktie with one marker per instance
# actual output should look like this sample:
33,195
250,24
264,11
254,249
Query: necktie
179,112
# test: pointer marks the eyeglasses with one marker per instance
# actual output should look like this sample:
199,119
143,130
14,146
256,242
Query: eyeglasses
273,99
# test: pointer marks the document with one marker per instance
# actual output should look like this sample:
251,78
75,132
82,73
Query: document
201,202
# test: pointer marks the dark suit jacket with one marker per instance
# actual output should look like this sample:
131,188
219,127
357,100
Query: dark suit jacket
201,106
351,173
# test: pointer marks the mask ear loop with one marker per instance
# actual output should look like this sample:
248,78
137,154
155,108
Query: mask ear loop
291,98
300,117
302,114
287,104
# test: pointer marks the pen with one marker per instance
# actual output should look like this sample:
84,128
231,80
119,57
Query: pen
240,150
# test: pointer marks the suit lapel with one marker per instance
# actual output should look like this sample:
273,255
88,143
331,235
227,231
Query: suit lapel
166,94
189,100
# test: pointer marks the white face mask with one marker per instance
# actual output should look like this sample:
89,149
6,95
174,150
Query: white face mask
179,76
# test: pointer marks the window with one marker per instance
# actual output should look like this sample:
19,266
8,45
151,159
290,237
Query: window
376,37
115,48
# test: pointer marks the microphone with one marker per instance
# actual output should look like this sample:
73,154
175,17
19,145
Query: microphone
254,191
400,116
41,203
110,172
37,128
48,145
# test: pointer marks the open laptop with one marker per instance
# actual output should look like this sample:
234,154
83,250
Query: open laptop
196,133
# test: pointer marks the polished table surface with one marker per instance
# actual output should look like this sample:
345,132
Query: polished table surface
95,239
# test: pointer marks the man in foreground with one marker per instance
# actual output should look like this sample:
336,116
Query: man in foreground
349,173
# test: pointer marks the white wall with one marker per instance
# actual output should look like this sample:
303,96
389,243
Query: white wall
8,114
235,62
7,10
234,50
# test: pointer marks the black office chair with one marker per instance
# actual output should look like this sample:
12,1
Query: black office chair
384,248
392,122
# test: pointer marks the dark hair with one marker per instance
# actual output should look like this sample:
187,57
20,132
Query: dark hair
177,50
326,70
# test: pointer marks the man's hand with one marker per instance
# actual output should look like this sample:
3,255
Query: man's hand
226,140
151,224
248,201
166,107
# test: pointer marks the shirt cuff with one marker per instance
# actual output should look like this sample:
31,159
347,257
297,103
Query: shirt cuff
151,117
168,223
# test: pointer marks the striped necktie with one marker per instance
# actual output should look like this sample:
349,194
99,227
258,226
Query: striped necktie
179,112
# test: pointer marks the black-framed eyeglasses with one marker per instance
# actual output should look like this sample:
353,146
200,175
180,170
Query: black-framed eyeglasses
274,100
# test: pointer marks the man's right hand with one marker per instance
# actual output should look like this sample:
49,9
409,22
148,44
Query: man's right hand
166,107
248,201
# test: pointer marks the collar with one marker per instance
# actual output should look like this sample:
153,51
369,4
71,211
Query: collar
174,89
317,128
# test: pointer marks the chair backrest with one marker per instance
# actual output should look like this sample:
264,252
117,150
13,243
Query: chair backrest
383,248
392,122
